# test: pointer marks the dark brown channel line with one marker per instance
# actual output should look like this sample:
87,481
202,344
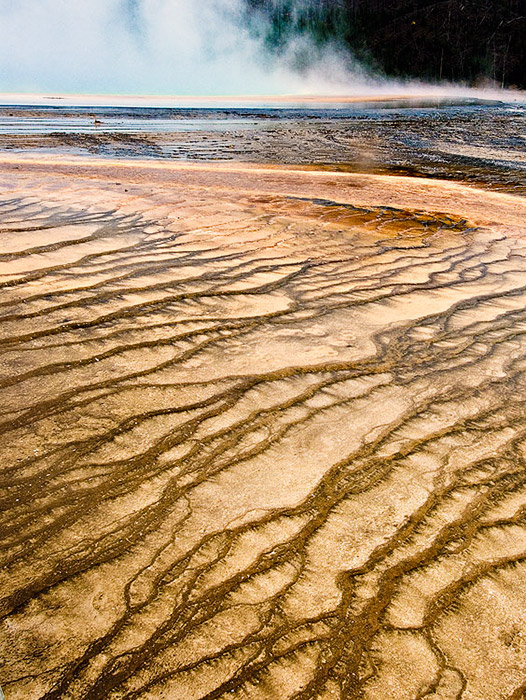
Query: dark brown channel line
263,435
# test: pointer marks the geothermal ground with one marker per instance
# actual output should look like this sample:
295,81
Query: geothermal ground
264,429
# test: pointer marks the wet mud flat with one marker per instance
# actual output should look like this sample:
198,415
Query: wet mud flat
263,434
472,141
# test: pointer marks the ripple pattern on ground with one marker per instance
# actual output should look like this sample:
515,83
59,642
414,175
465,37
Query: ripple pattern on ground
263,435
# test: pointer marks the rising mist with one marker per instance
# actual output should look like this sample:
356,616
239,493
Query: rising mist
157,47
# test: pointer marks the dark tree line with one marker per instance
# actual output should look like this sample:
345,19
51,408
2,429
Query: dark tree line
459,40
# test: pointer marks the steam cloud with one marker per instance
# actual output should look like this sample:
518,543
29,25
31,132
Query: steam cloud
184,47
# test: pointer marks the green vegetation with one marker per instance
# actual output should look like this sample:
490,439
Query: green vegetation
460,40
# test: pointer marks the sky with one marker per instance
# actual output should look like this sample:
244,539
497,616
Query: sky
149,47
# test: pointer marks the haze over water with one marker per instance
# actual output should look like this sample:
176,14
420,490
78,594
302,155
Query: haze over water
148,47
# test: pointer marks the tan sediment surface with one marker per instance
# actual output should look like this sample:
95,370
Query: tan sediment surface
263,434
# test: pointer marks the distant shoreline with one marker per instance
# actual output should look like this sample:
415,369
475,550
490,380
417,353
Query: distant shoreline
415,93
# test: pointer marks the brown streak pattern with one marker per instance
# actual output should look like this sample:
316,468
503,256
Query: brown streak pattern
263,435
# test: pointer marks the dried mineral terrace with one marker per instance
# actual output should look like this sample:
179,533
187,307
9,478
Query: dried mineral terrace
263,434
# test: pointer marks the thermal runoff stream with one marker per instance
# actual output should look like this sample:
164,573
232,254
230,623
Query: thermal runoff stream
263,394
